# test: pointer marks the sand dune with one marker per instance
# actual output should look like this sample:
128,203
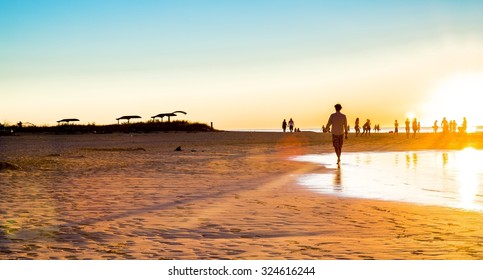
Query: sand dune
225,195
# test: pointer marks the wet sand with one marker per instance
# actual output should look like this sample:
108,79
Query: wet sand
225,195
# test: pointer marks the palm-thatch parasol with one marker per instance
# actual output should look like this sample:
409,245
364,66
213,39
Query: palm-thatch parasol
67,121
169,115
127,118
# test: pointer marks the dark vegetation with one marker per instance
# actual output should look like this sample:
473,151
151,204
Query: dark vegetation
138,127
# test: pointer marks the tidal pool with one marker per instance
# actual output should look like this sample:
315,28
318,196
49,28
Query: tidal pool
443,178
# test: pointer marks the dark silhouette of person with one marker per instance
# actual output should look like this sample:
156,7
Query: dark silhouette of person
357,127
415,127
338,121
464,126
396,127
284,125
291,124
435,126
367,127
444,125
408,130
453,126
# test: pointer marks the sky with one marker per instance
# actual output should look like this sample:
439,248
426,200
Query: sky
241,64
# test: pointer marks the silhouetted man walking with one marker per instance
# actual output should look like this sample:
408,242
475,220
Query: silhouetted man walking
338,121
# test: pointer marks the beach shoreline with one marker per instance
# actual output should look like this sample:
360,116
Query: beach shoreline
225,195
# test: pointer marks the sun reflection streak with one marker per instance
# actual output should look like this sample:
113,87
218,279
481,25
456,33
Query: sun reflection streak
468,164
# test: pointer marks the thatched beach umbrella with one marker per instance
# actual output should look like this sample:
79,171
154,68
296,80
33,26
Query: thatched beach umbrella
127,118
67,121
169,115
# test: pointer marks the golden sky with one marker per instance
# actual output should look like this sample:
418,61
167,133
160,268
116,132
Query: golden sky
243,65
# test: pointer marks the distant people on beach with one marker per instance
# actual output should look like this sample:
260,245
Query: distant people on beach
396,127
357,127
377,128
445,125
338,121
415,127
408,129
435,126
291,124
453,126
464,126
366,128
419,127
284,125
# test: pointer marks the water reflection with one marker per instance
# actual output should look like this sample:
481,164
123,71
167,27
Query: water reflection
446,178
411,159
445,159
338,180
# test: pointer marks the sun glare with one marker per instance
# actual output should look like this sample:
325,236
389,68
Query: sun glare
469,165
455,98
410,115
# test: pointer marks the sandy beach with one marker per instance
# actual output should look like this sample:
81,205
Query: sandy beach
225,195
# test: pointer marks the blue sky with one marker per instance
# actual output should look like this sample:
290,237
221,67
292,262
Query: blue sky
230,61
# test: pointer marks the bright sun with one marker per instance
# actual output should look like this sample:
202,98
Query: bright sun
410,115
457,97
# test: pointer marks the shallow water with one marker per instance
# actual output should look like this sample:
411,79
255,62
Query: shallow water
442,178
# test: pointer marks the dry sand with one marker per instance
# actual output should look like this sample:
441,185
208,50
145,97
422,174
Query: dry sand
226,195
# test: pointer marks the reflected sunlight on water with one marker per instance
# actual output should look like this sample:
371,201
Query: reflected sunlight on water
443,178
